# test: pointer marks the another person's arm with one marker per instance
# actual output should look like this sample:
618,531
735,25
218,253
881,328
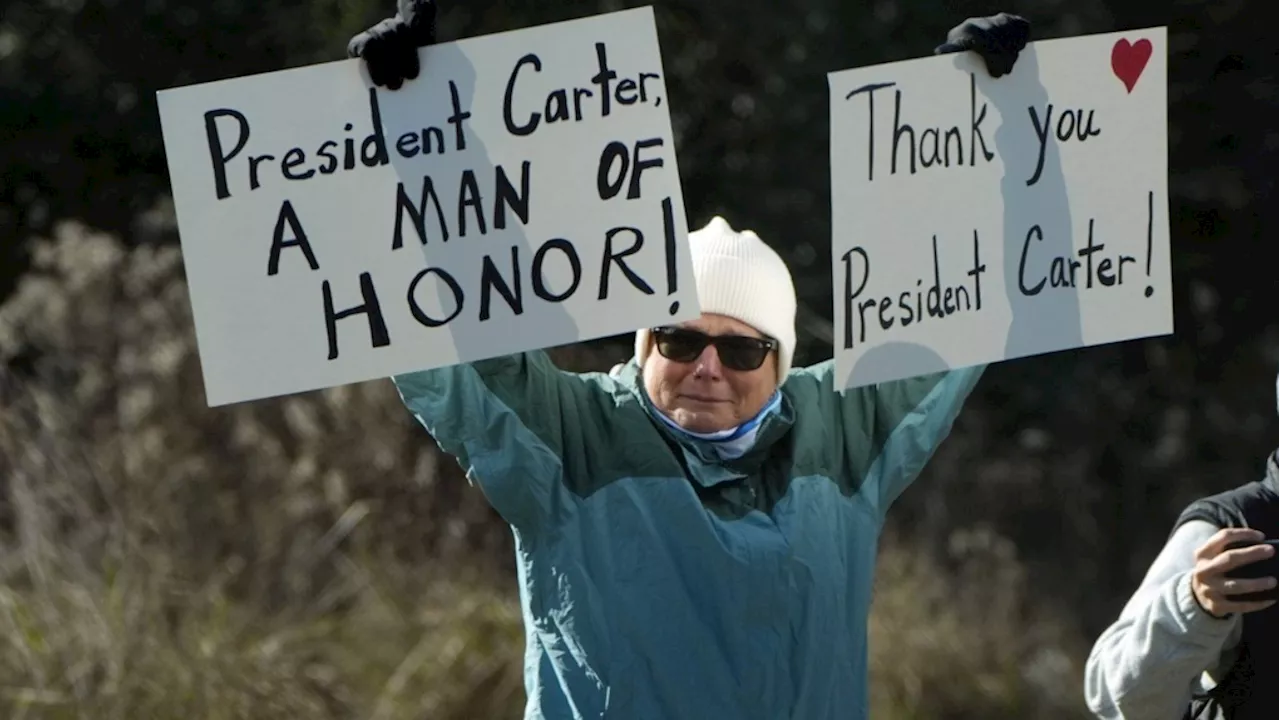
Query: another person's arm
1147,664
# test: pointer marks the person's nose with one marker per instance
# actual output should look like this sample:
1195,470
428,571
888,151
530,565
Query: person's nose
708,364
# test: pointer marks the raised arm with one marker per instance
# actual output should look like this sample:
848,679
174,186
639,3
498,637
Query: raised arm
884,434
518,425
1148,662
910,419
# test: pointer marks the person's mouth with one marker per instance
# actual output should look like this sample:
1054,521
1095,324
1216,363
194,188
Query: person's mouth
705,399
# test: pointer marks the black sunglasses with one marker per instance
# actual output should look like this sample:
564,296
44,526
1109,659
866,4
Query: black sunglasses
737,352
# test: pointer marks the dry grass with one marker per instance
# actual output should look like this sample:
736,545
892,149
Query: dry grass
962,637
139,643
312,557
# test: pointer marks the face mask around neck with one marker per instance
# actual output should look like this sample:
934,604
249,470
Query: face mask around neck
730,443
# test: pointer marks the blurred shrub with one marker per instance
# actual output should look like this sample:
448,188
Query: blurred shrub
964,637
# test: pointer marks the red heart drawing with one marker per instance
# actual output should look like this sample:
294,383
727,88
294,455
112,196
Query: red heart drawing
1128,61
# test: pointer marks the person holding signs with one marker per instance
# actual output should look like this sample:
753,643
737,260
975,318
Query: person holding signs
1198,639
696,532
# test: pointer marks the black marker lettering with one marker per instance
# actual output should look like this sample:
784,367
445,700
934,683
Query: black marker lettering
490,278
435,134
953,134
870,90
416,310
417,213
254,161
1071,124
534,118
1079,127
1085,130
1065,133
469,196
348,151
935,290
299,239
898,130
293,159
1042,134
459,115
539,278
938,300
669,231
407,145
929,151
978,268
975,121
377,139
603,78
1022,264
331,166
1064,271
644,96
378,336
1087,252
578,94
612,257
604,186
557,108
633,191
851,295
625,93
509,198
1105,277
907,316
218,158
1150,228
863,307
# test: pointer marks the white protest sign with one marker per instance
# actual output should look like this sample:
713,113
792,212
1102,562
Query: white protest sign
521,193
978,219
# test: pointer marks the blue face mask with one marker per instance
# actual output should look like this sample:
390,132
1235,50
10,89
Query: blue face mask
730,443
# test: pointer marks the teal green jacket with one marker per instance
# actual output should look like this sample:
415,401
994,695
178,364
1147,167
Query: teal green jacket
660,583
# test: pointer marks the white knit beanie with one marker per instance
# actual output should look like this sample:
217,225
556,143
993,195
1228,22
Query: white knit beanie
739,276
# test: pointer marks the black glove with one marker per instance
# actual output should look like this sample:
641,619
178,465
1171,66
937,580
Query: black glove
998,39
390,48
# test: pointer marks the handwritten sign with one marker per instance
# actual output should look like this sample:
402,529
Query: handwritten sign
977,219
522,193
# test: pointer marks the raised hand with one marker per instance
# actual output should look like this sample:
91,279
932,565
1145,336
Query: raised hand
998,39
390,48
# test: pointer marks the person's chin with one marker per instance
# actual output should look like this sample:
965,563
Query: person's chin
701,420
